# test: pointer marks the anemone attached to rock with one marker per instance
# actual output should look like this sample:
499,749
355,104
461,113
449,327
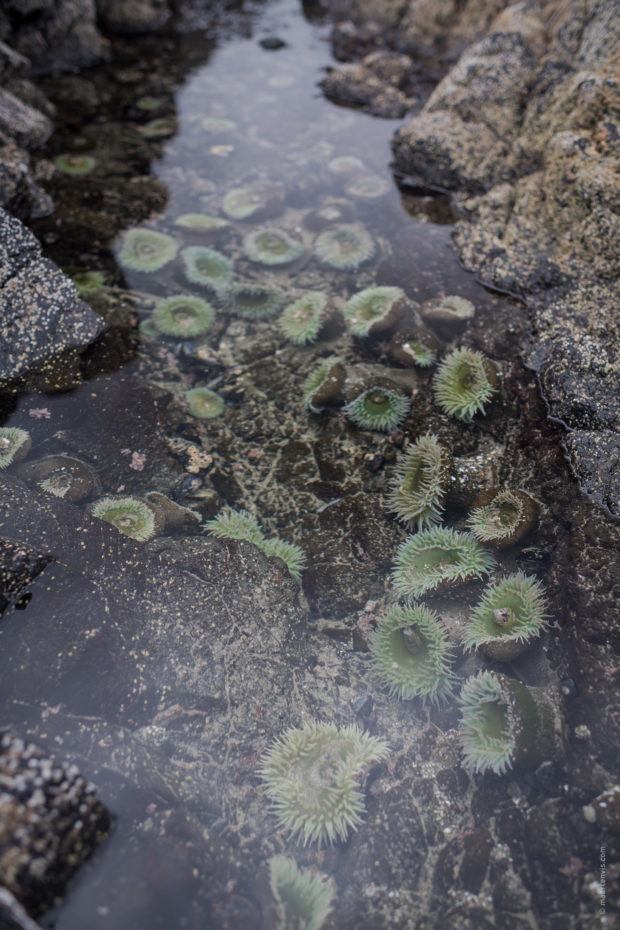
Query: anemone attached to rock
258,200
346,165
417,488
464,383
344,247
412,654
293,556
63,476
217,124
502,517
74,164
15,444
132,516
271,246
303,900
200,222
235,524
367,187
414,346
88,282
255,301
438,558
506,724
146,250
379,407
161,128
203,403
301,321
448,315
313,777
183,316
207,267
374,310
510,616
323,386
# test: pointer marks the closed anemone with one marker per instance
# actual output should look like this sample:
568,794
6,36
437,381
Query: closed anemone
272,246
203,403
374,310
207,267
412,654
417,488
438,558
313,777
146,250
254,301
301,321
509,617
75,165
344,247
62,476
464,383
15,444
502,517
302,899
323,386
379,408
132,516
414,346
183,316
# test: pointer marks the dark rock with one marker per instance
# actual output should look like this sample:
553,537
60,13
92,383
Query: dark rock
132,16
12,63
27,126
19,193
44,324
18,566
373,84
272,43
12,914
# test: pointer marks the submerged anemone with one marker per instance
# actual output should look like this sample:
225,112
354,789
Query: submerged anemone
203,403
207,267
509,617
438,558
374,310
302,899
255,301
448,315
313,776
502,517
272,246
323,386
379,407
464,382
301,321
239,524
259,200
63,476
183,316
132,516
75,165
88,282
330,212
346,164
293,556
417,488
200,222
217,124
412,654
146,250
414,346
506,724
15,444
367,187
344,247
160,128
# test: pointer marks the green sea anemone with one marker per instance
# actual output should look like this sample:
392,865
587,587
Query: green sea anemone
148,103
235,524
414,346
374,310
183,316
417,488
132,516
15,444
367,187
217,124
146,250
506,724
200,222
203,403
269,245
344,247
63,476
464,382
378,407
302,900
207,267
448,315
509,617
75,165
412,654
502,517
313,776
346,164
161,128
88,282
323,387
301,321
330,212
437,558
259,200
255,301
291,555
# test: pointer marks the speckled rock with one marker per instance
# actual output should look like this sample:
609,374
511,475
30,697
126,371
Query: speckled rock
27,126
19,193
51,820
18,566
375,84
44,324
12,914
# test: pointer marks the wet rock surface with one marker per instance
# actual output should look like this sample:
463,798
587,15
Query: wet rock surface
375,84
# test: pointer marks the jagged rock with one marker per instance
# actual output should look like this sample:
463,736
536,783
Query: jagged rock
374,84
134,16
19,193
27,126
18,566
44,324
12,914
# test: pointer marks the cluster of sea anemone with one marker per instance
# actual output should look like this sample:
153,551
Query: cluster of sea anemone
238,524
